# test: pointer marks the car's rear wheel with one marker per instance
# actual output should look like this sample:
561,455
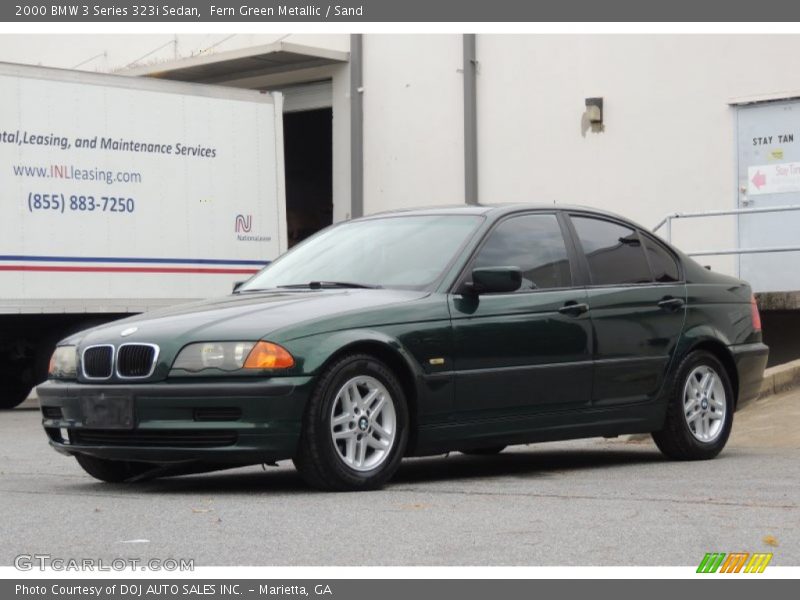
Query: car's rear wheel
355,427
112,471
488,451
700,410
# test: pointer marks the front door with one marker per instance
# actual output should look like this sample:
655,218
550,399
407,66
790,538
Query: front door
530,350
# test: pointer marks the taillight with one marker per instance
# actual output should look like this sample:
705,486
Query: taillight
754,314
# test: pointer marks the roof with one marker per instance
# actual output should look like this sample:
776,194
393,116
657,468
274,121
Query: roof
266,59
495,209
499,210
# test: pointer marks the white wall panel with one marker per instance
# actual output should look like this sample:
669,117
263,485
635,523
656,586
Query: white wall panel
413,121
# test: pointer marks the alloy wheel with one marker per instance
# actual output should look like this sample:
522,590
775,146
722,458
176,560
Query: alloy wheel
704,403
363,423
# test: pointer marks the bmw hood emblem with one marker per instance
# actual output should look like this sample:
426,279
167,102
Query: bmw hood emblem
129,331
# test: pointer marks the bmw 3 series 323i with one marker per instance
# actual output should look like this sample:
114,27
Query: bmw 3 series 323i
417,333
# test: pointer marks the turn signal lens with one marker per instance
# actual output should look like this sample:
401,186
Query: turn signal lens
266,355
754,313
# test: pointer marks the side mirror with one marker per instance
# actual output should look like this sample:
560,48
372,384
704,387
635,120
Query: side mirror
493,280
237,285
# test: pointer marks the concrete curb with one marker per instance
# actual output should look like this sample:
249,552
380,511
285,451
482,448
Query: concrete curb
780,378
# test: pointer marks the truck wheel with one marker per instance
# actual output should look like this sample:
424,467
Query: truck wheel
699,410
111,471
355,427
490,451
14,394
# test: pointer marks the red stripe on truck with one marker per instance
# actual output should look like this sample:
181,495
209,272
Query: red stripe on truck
76,269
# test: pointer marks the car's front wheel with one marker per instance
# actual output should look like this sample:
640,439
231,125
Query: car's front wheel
699,411
112,471
355,427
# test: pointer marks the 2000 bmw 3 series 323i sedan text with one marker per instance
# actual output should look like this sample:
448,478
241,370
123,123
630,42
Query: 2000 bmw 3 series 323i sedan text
415,333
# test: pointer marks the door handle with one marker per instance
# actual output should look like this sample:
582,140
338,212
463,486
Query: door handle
669,303
573,308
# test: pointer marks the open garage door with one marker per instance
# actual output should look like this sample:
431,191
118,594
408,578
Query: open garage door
308,154
306,96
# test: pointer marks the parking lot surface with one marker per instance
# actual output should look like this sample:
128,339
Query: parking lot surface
590,502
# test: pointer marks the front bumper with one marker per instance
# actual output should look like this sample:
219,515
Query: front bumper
228,422
751,360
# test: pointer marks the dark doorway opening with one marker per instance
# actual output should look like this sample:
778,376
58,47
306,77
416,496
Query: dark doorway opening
308,154
781,329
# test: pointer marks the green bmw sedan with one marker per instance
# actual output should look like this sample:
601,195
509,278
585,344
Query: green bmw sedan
416,333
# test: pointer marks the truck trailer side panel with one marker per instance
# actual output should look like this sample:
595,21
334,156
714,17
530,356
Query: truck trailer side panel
120,194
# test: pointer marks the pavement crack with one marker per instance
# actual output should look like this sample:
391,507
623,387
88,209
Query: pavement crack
694,502
72,494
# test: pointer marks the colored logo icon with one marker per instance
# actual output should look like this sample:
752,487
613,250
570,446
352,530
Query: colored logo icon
735,562
244,223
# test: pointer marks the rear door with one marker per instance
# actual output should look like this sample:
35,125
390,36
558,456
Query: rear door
637,299
529,350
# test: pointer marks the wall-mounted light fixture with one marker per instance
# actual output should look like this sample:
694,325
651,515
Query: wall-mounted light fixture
594,111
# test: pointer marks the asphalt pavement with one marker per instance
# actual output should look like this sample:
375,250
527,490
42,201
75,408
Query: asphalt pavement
589,502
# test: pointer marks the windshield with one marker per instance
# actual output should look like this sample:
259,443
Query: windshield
408,252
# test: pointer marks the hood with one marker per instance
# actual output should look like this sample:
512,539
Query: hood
248,316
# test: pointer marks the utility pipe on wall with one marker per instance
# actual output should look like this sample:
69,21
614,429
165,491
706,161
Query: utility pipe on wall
470,121
356,126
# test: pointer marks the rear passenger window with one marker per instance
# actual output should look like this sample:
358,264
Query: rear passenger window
533,243
664,266
613,251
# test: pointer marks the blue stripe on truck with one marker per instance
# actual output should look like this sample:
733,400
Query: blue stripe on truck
117,259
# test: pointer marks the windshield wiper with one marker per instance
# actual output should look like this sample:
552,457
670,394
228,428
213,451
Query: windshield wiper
318,285
254,290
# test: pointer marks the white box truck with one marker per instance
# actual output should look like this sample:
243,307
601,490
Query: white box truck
122,194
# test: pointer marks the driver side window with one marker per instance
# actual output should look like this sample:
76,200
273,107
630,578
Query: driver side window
533,243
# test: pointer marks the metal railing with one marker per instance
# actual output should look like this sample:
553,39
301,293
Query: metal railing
721,213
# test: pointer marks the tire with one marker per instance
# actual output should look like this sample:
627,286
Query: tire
111,471
698,420
490,451
14,394
340,443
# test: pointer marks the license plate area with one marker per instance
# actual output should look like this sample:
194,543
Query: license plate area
107,411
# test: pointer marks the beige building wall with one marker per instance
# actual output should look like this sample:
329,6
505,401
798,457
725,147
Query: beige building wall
413,121
669,140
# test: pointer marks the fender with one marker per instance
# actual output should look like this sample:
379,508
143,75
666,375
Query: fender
706,334
698,333
690,338
314,352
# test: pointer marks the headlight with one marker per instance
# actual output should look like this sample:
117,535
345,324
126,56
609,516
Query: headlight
64,363
232,356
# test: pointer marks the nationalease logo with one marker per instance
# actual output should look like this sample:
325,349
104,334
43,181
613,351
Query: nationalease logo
244,223
735,562
243,227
